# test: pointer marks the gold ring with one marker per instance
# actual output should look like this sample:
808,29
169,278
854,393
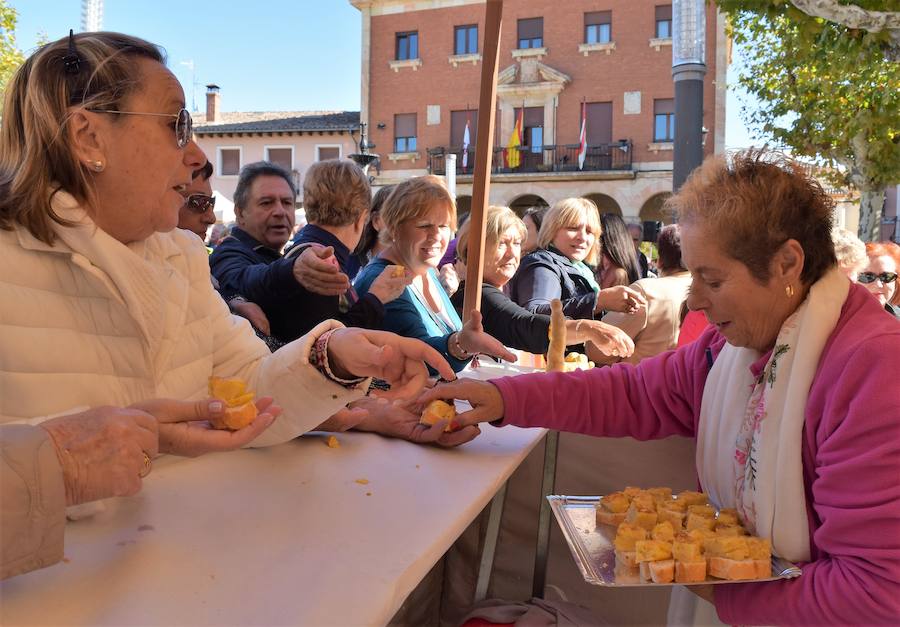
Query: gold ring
146,467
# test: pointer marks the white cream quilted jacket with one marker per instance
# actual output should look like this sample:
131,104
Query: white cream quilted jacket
91,321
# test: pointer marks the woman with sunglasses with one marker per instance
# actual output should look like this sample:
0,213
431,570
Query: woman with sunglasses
880,276
196,214
107,303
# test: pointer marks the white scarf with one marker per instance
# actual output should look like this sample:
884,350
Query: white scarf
750,431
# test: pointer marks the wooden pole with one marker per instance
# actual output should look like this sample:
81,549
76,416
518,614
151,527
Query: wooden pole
481,183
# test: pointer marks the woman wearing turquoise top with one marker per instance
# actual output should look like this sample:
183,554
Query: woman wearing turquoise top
419,217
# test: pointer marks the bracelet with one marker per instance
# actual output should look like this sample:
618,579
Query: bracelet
458,346
318,357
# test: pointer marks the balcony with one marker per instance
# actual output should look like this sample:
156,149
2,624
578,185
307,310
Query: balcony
543,159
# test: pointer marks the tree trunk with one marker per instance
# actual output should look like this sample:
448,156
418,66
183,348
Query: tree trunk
871,204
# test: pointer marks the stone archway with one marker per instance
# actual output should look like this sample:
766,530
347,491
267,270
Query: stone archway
520,204
652,209
606,204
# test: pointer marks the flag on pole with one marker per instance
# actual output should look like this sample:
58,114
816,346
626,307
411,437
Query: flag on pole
465,155
582,141
515,140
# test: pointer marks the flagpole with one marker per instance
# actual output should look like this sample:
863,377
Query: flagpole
481,181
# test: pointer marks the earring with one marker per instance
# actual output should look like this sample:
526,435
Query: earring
789,290
96,166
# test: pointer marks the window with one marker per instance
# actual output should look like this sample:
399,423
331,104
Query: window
466,39
599,122
531,33
664,21
598,27
229,161
405,132
664,120
281,155
324,153
407,46
458,121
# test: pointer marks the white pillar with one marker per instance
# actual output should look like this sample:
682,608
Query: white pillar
450,169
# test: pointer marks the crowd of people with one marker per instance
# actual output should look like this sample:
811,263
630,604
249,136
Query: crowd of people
118,309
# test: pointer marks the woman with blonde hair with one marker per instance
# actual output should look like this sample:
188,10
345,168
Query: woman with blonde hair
106,302
505,320
419,217
568,242
850,252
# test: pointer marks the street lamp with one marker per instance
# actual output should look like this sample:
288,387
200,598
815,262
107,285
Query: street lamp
688,70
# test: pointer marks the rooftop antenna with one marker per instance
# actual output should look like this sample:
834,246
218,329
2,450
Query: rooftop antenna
91,15
189,64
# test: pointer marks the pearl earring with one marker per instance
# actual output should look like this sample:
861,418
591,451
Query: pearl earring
96,166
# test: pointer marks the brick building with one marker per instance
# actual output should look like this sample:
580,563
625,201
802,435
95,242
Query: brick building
421,67
292,139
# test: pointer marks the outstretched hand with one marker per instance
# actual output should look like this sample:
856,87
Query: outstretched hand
475,341
395,419
484,397
620,298
401,361
608,339
184,427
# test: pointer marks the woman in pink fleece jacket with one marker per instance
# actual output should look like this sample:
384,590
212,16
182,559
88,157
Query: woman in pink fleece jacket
791,396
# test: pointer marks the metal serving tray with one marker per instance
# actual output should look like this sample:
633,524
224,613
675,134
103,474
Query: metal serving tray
593,549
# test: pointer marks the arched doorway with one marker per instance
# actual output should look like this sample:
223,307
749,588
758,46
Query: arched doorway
606,204
652,209
520,204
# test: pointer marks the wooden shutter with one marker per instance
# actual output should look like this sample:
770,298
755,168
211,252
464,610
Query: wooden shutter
664,106
599,122
531,28
231,161
598,17
405,125
663,12
458,128
282,157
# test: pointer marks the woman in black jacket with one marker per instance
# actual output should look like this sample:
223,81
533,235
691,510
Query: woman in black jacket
505,320
569,240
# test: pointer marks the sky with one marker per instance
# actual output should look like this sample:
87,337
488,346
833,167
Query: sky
287,55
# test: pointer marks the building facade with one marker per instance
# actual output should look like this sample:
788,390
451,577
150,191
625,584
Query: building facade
293,139
607,61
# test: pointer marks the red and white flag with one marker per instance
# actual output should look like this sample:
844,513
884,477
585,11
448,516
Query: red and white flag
465,155
582,141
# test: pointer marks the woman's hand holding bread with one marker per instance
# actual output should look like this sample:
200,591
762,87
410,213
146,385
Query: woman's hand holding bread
185,426
485,399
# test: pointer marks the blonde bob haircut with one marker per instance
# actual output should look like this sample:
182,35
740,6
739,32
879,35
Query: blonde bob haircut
335,193
849,250
100,71
412,199
499,221
572,212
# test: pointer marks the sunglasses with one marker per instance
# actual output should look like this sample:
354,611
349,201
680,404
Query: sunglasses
884,277
200,203
184,125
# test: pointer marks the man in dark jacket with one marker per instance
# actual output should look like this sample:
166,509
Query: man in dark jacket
297,291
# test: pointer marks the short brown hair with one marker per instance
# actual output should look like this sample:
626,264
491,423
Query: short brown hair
572,212
754,202
412,199
499,220
34,146
669,246
335,193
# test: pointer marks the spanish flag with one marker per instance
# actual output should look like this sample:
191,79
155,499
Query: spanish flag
515,140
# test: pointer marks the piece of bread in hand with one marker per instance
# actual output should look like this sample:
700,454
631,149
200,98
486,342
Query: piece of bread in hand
240,408
439,410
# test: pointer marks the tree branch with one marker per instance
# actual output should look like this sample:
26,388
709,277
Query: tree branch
851,15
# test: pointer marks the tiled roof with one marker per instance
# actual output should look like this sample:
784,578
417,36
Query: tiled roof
277,121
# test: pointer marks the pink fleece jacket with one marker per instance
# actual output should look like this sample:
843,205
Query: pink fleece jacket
851,458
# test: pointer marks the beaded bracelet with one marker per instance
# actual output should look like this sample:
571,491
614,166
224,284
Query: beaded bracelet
318,357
